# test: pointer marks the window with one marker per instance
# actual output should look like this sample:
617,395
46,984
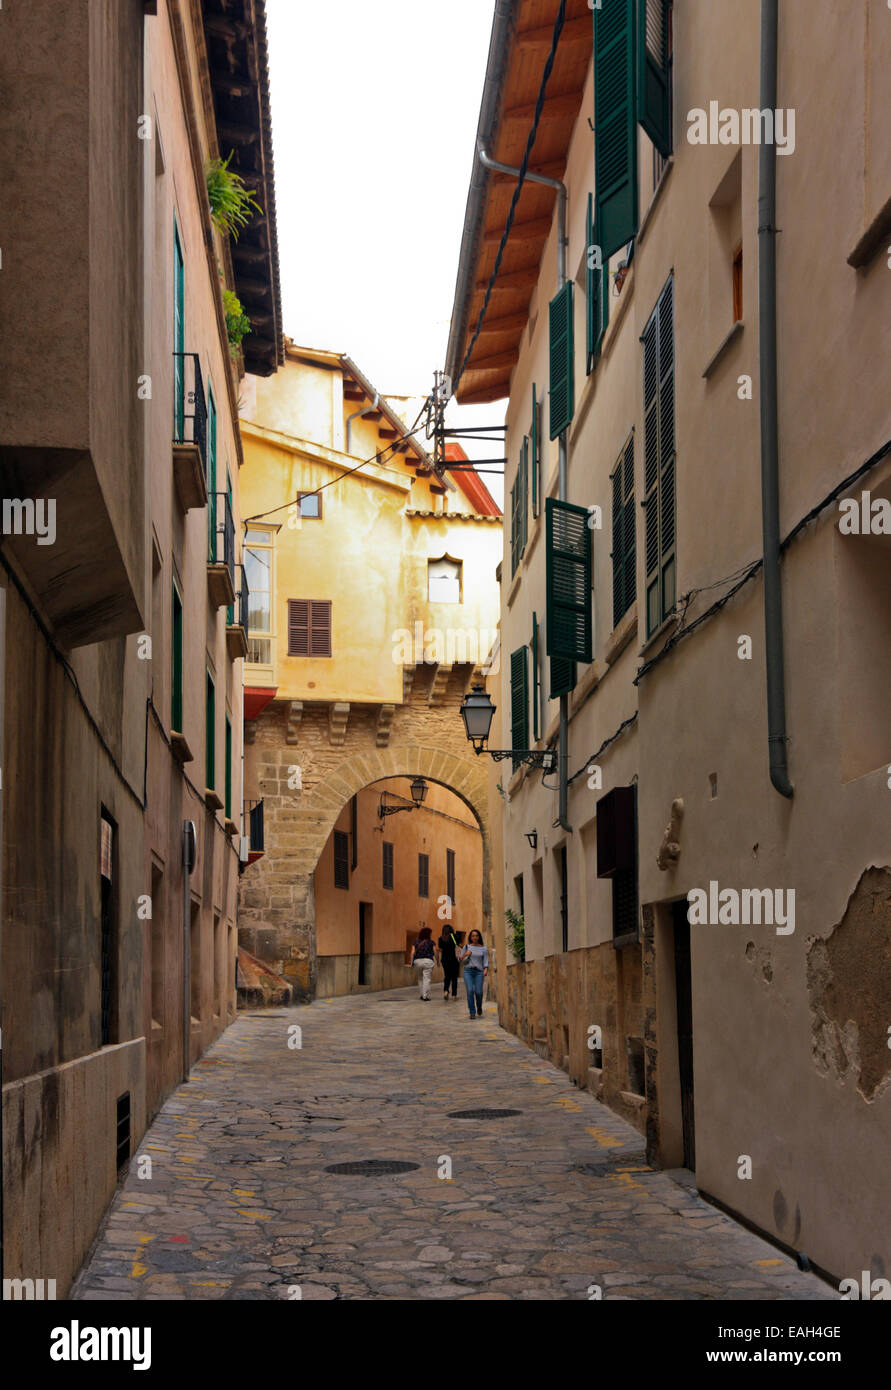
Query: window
228,803
738,286
179,334
562,353
450,875
230,608
210,726
176,701
310,505
159,912
564,898
654,40
309,627
423,875
341,859
596,294
388,864
615,141
535,451
518,509
519,702
536,681
659,460
258,558
444,580
211,477
107,941
568,584
624,549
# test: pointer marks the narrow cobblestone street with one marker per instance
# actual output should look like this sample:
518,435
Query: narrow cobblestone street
542,1203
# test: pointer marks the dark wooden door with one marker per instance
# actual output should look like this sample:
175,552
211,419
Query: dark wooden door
362,907
684,993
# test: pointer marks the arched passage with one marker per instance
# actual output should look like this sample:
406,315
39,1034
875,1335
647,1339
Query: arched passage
278,920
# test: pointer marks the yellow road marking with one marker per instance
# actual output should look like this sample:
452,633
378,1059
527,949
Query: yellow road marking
603,1137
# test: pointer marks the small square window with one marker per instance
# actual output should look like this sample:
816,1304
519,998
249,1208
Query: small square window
310,505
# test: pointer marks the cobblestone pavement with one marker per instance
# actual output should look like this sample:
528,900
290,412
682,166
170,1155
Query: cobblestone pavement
540,1205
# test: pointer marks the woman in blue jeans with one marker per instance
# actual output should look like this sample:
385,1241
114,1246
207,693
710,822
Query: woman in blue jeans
476,968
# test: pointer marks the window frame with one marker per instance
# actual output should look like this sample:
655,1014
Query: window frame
388,865
423,875
340,843
259,634
310,653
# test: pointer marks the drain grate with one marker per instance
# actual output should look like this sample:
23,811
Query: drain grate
482,1114
373,1167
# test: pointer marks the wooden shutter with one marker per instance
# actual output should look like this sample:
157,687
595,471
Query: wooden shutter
562,376
536,681
515,523
524,494
563,676
615,125
568,567
320,627
423,876
659,460
387,864
624,543
450,875
341,859
210,734
309,627
536,450
519,701
176,699
653,78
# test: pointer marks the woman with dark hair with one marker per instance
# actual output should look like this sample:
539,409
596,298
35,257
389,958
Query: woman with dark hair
476,968
423,959
448,954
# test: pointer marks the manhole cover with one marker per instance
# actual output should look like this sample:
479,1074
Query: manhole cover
373,1167
482,1114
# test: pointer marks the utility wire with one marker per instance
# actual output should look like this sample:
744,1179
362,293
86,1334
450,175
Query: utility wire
751,570
539,105
373,458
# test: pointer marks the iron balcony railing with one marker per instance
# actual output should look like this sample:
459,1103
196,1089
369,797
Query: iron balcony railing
189,404
221,535
253,823
244,598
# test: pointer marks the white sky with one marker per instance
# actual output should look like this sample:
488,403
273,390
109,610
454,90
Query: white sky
374,114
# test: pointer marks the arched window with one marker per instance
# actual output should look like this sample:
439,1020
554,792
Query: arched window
444,580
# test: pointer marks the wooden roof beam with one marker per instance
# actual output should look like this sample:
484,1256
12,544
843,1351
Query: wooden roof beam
507,358
578,31
533,229
512,280
566,105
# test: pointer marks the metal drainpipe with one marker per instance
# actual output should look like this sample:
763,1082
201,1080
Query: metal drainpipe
770,491
357,414
562,452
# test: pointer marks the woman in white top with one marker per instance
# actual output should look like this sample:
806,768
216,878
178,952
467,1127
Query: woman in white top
476,968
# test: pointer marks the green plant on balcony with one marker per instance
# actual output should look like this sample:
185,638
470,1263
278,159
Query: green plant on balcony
237,322
232,205
516,935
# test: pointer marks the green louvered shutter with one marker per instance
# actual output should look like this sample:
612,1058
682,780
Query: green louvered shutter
536,450
514,525
562,368
659,460
536,681
596,294
653,79
563,676
615,125
624,549
568,564
524,494
519,701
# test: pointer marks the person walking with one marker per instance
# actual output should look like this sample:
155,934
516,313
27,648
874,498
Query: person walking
448,954
476,967
423,959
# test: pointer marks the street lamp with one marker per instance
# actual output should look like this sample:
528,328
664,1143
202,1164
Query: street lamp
418,789
477,711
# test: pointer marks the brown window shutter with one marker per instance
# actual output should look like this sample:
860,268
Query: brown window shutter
320,630
298,627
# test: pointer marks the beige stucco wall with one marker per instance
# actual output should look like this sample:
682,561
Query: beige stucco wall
771,1020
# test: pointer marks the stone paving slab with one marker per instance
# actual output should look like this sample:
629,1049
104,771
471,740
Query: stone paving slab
550,1203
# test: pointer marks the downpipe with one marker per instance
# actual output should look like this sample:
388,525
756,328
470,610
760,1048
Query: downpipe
770,499
489,163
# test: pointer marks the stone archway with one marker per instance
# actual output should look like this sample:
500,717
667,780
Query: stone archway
277,908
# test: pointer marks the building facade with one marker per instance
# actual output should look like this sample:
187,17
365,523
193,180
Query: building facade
712,863
373,602
124,634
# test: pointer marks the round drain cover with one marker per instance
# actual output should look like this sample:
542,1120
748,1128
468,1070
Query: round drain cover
373,1167
482,1114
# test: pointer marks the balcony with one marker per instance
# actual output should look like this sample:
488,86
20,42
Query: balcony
237,620
252,843
189,431
220,551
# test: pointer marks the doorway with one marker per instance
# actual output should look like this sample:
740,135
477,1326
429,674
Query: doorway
684,995
365,910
